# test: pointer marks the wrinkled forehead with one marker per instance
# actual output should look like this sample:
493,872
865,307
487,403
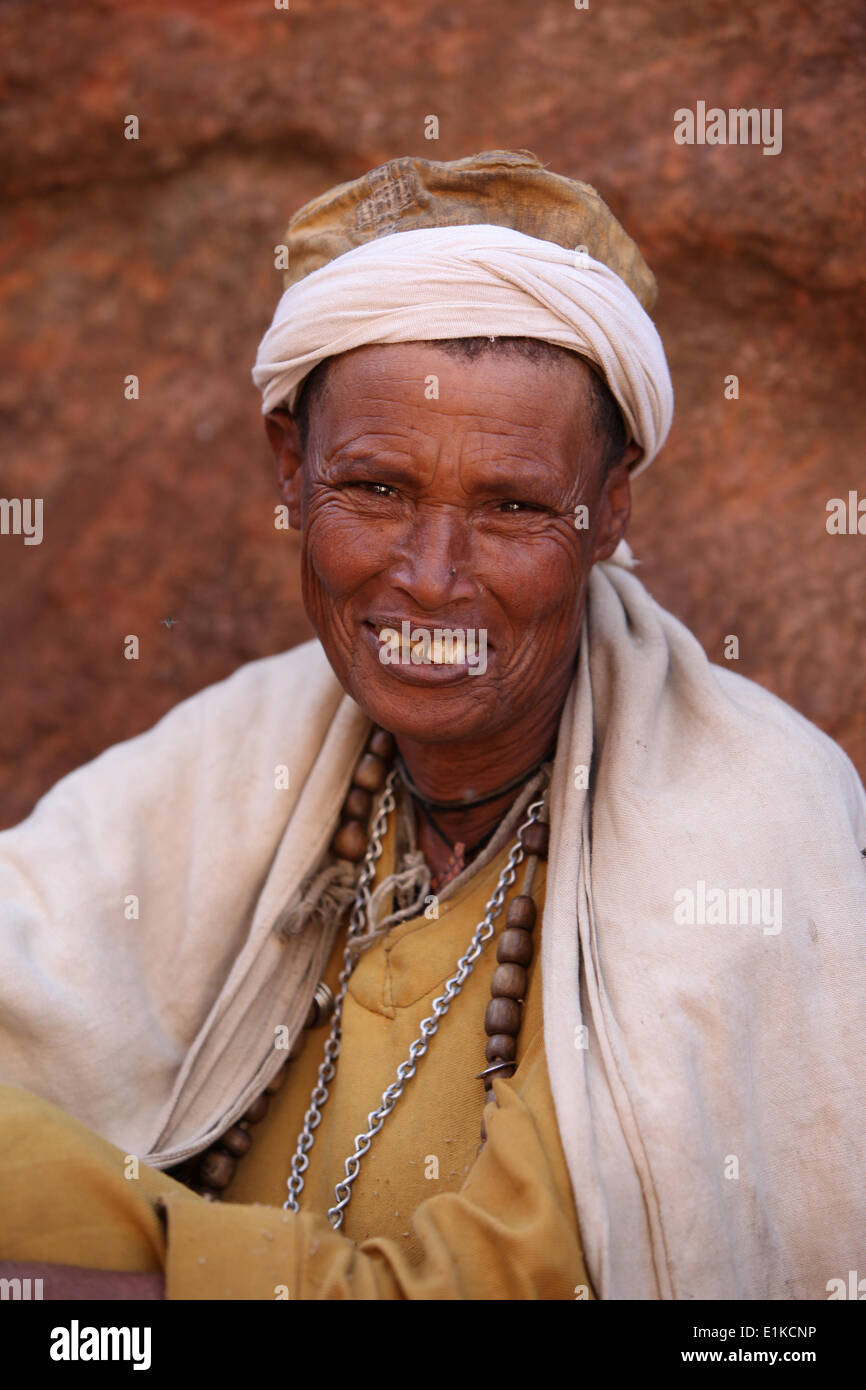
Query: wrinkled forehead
493,378
449,416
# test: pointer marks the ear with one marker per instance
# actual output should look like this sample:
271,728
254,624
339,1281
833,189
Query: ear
615,505
282,431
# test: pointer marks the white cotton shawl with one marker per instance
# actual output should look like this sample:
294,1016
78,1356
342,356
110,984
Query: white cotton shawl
708,1079
459,282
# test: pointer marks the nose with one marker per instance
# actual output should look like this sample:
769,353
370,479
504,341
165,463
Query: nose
432,564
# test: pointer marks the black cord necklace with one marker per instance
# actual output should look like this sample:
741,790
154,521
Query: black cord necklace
467,804
452,844
427,804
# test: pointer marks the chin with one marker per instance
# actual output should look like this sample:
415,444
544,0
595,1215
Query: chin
429,715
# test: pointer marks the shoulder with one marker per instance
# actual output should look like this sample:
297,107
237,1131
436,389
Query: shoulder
274,689
787,744
288,683
220,738
709,727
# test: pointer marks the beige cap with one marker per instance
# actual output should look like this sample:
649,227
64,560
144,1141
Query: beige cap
506,188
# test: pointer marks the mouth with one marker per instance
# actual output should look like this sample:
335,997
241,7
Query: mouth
421,653
429,647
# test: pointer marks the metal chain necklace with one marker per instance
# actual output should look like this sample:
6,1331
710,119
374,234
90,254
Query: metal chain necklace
429,1025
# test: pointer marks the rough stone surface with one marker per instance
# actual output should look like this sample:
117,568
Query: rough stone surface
155,257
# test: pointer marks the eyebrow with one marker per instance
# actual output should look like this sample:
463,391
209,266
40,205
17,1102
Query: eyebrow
348,466
494,477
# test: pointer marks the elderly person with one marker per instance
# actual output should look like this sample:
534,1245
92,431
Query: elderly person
494,945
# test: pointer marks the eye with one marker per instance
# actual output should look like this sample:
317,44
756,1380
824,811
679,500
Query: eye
381,491
375,489
512,507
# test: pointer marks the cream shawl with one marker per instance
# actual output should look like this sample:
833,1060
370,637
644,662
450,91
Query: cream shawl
708,1079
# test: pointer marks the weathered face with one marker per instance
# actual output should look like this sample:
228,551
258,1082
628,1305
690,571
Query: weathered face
444,493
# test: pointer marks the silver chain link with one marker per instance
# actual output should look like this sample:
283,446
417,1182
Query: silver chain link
429,1025
327,1070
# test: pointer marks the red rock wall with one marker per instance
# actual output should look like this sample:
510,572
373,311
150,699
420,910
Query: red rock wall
155,257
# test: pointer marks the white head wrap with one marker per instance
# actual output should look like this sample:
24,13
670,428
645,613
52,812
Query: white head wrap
472,281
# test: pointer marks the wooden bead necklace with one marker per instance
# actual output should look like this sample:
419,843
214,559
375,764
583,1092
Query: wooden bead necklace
514,952
211,1172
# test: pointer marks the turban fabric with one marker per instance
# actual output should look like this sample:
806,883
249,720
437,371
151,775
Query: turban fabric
472,281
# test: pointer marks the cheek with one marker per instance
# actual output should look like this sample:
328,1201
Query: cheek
536,580
339,552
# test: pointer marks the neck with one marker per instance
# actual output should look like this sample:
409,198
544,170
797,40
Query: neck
467,771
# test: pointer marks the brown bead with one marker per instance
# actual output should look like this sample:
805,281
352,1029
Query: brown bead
501,1047
237,1141
509,981
522,912
358,805
276,1082
216,1169
381,743
258,1110
502,1016
536,838
350,841
515,945
370,773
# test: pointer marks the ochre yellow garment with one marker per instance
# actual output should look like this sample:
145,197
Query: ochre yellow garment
426,1219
